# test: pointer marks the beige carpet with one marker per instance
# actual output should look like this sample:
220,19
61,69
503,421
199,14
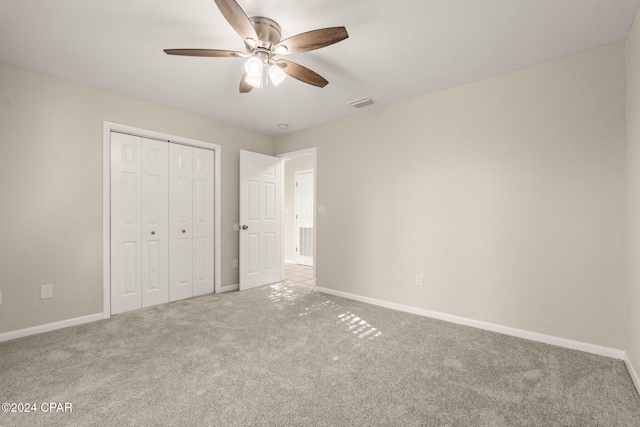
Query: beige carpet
286,356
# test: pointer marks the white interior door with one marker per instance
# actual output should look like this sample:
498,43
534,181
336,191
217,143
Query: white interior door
304,218
260,222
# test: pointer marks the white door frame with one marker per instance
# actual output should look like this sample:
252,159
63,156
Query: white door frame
106,201
301,153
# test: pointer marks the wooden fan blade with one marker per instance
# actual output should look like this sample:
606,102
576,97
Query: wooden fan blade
234,14
244,86
214,53
303,74
312,40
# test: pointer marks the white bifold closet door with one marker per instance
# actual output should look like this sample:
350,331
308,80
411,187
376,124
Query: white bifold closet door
162,222
139,222
191,221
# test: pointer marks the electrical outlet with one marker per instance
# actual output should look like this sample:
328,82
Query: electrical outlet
322,209
235,263
46,291
419,279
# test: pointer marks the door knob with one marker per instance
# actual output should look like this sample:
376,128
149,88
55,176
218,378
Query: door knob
244,227
153,233
184,231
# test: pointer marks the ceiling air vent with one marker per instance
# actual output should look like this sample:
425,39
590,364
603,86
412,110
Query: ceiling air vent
359,103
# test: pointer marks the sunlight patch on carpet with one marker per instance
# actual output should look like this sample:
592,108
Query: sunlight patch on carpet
358,326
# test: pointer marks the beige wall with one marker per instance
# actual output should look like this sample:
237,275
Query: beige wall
291,167
51,189
632,324
507,194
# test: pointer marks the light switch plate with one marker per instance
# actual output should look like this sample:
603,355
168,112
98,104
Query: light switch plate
321,210
46,291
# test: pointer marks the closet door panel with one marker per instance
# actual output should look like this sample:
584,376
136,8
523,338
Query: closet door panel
203,229
155,222
125,223
180,222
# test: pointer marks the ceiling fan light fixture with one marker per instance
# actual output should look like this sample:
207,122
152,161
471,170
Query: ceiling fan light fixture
253,67
276,75
255,81
251,43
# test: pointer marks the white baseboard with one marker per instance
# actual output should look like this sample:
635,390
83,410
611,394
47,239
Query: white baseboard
533,336
632,373
6,336
50,327
230,288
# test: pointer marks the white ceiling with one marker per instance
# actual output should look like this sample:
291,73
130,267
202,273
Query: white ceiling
396,50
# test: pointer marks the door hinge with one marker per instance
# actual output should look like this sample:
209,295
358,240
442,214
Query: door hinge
296,184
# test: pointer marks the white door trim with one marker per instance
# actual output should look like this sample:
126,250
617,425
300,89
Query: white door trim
301,153
108,127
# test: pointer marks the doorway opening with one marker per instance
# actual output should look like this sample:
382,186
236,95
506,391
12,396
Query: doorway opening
299,217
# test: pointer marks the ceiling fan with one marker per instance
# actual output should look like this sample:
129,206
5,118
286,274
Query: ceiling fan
262,40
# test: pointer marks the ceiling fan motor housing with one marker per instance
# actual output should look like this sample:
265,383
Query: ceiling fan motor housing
268,31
